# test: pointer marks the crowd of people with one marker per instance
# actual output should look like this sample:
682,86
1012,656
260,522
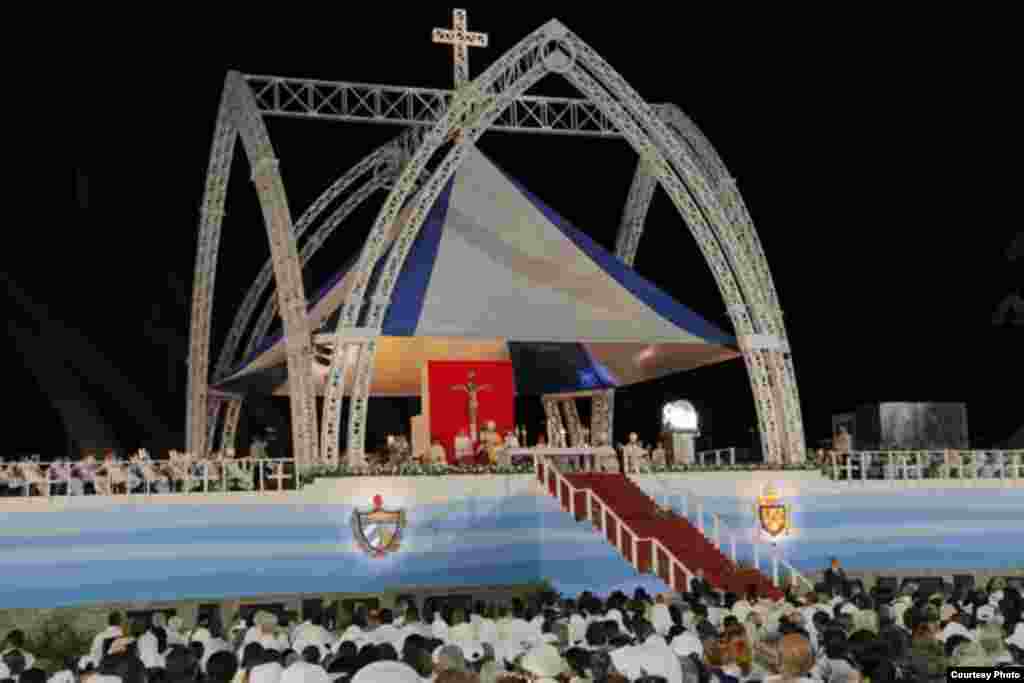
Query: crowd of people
844,636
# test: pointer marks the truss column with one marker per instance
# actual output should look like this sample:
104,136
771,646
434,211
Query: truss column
634,214
359,404
284,253
211,218
309,249
384,164
231,418
572,421
216,403
336,382
554,419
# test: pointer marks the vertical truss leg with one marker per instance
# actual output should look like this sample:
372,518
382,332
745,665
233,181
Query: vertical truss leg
631,228
212,419
231,419
572,421
554,419
337,381
211,218
359,404
284,253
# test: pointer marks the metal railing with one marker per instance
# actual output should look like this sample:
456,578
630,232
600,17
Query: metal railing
676,575
717,455
965,467
193,476
720,529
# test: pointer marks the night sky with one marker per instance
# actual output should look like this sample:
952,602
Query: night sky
869,151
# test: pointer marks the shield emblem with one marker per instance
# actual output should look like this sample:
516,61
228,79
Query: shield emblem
378,531
774,518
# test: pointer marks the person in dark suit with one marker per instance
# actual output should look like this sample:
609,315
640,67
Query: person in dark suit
699,586
835,579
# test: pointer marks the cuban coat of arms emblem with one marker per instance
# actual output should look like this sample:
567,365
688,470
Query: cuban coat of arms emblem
378,531
774,517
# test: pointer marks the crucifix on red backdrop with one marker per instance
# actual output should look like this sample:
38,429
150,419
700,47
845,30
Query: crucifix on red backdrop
472,389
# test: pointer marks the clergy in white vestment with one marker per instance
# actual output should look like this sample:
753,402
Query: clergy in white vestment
463,447
633,454
490,443
438,456
659,455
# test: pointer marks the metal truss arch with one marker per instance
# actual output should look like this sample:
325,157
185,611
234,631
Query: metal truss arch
474,109
211,218
377,171
241,116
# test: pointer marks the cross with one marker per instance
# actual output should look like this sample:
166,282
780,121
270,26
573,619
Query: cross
472,389
279,475
459,38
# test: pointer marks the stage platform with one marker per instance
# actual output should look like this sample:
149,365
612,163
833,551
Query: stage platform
462,530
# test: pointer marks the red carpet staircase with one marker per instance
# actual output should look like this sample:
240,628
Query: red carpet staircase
648,539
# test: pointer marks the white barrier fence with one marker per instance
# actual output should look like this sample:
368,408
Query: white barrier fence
914,467
716,456
154,477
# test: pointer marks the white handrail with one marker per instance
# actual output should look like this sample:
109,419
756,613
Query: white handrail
717,453
911,466
721,527
552,471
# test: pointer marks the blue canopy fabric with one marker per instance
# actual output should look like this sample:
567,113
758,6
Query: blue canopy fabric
495,273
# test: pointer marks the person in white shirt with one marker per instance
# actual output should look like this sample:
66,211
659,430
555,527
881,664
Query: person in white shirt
111,633
265,633
438,456
312,632
307,669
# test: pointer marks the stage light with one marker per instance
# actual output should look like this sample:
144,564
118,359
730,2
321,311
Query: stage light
679,416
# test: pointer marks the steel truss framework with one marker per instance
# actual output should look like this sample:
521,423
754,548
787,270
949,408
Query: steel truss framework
673,154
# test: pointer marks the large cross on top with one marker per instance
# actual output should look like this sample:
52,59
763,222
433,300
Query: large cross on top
459,38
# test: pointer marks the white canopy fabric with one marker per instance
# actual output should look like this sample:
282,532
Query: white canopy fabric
495,274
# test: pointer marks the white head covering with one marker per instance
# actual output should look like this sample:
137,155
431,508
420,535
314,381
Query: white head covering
266,673
687,643
387,672
661,619
304,672
439,628
1017,637
955,629
211,647
543,660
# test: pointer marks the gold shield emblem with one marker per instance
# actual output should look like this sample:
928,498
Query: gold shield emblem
773,515
378,531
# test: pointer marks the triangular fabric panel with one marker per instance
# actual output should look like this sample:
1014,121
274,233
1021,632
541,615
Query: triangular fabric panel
509,267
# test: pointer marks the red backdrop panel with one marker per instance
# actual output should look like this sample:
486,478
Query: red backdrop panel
449,409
